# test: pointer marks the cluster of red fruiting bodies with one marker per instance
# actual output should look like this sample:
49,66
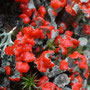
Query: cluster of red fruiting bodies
25,40
43,82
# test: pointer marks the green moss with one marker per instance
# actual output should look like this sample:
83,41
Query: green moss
29,82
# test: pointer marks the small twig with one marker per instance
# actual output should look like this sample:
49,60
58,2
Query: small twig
12,30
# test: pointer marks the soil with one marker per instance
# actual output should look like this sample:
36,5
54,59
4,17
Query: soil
9,12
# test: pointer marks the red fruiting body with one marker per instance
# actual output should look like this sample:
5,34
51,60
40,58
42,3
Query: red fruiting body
63,65
72,76
18,50
23,6
19,66
27,47
70,10
58,40
42,11
42,81
66,43
64,50
33,9
54,13
27,30
61,29
49,86
75,55
15,78
43,62
57,49
55,4
83,62
80,80
37,33
8,70
3,88
76,62
33,23
69,33
75,24
22,67
28,12
9,50
22,16
25,67
19,58
63,3
87,29
28,57
68,37
76,86
71,70
38,49
64,25
75,42
25,18
24,1
86,75
47,27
